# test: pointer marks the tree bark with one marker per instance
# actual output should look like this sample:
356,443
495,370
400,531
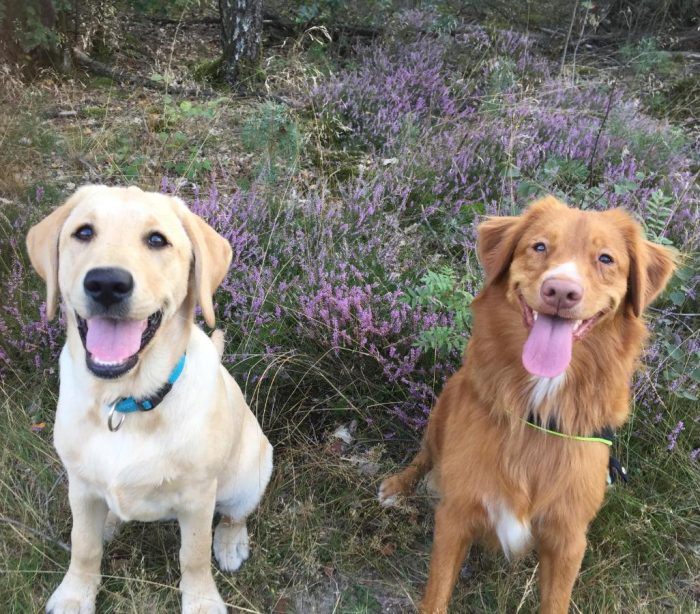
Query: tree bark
241,34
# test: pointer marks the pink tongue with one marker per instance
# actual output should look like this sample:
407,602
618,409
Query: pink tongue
547,351
110,340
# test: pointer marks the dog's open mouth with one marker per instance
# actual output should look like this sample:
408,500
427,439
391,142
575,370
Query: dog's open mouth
547,351
112,345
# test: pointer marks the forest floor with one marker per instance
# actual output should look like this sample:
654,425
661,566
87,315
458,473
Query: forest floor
320,542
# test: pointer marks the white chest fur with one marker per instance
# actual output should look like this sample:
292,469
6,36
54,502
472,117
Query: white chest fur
156,459
515,535
545,389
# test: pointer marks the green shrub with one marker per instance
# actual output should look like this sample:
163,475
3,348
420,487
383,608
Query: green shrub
272,135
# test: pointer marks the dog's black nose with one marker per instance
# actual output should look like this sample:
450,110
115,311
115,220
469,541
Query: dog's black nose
108,285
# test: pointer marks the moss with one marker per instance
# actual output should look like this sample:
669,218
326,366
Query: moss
208,71
250,73
102,82
95,112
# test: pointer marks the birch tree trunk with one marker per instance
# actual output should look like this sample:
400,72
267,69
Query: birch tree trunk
241,33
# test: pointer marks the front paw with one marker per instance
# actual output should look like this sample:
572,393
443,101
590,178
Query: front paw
230,545
73,596
392,490
196,602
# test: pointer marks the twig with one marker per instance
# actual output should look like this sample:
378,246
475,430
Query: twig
17,524
193,21
578,42
600,131
568,37
528,588
613,38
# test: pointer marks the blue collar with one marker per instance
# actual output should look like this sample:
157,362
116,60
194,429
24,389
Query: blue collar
130,404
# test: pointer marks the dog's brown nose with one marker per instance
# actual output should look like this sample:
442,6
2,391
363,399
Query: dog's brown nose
561,293
108,285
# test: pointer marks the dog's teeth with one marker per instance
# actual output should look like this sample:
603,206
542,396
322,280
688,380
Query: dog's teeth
577,325
534,314
108,363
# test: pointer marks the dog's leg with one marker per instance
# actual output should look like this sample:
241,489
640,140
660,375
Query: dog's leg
112,525
76,593
199,592
404,482
231,535
451,540
560,561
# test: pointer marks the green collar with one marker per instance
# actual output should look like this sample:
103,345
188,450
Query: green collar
605,436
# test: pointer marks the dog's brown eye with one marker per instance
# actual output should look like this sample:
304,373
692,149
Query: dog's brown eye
84,233
157,240
606,259
539,247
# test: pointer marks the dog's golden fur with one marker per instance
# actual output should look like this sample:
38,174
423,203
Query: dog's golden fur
499,479
201,449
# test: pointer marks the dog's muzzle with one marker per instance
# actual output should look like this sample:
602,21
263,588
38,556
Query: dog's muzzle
112,345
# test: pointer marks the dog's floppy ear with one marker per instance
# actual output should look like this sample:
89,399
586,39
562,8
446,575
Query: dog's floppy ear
212,257
42,246
496,241
651,266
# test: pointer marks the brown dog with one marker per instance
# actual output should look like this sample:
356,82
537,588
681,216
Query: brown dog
516,441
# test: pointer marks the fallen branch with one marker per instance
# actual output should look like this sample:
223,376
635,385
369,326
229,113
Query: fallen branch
23,527
287,26
122,76
688,56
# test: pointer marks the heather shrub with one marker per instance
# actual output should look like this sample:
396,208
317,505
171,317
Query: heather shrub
29,342
321,278
354,289
486,134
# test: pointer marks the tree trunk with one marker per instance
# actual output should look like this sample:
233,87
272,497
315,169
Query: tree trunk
241,33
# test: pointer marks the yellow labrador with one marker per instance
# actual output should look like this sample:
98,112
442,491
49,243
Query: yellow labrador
149,424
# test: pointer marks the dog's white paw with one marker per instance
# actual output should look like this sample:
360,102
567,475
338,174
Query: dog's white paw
73,596
202,601
385,497
231,545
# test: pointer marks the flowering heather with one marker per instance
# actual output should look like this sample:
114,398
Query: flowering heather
673,435
450,128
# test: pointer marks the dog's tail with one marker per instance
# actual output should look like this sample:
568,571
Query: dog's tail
218,339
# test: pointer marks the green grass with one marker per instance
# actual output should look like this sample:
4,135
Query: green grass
320,541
